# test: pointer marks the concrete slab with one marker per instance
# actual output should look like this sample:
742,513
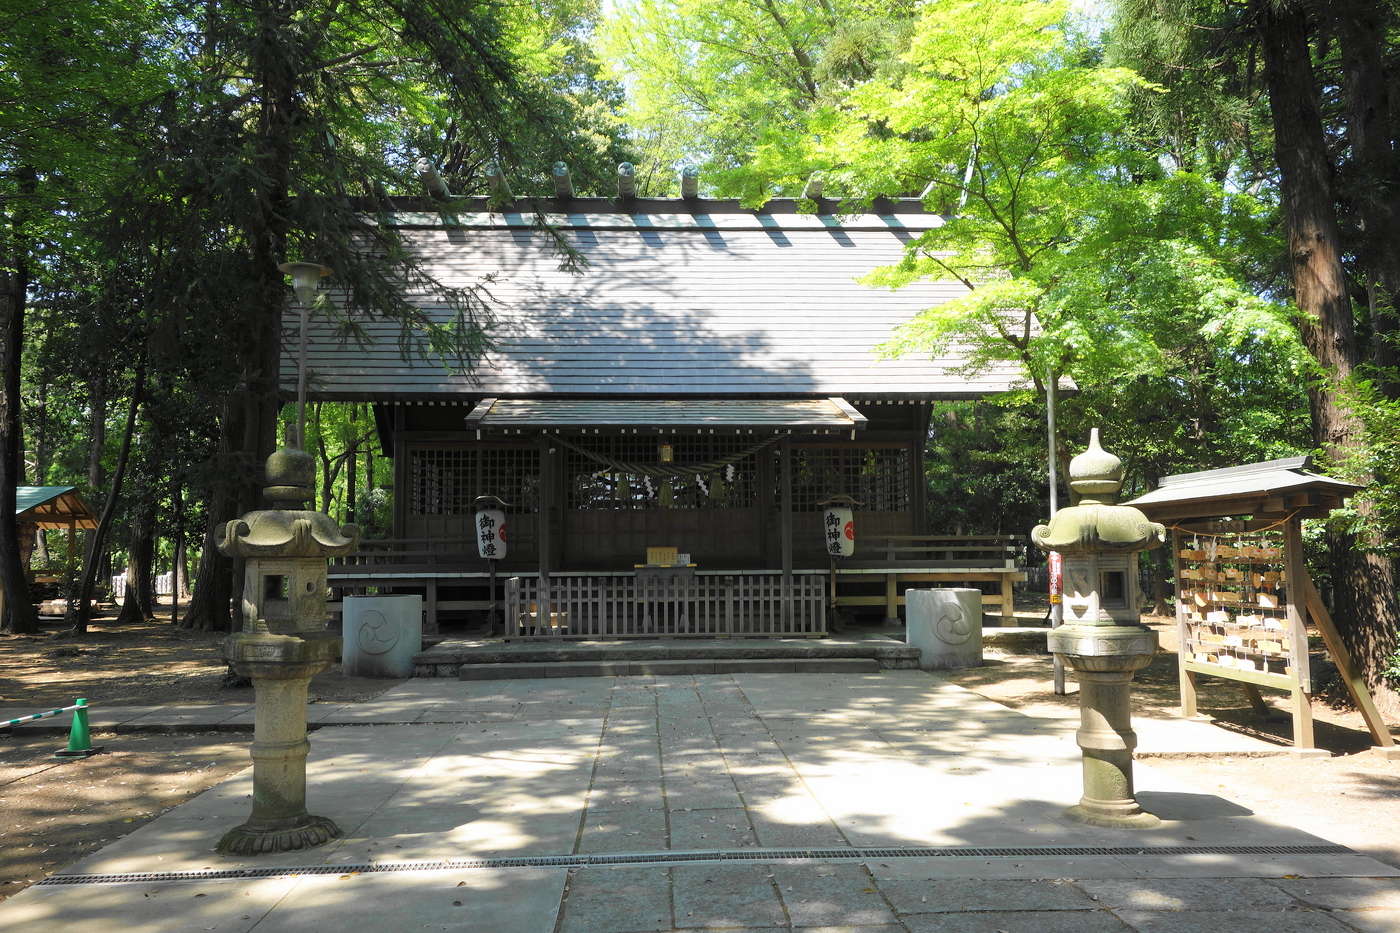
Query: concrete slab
726,896
1236,921
831,895
711,829
1344,893
1160,894
624,831
1371,921
1018,922
484,900
634,899
967,895
170,907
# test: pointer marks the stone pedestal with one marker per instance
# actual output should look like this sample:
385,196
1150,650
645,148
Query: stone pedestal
381,635
281,667
946,626
1104,659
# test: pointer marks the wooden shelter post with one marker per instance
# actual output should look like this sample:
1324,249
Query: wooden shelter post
1296,570
546,524
1187,678
785,511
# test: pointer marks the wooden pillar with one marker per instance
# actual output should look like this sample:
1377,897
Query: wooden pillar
1298,633
402,493
546,524
786,517
1008,600
430,608
763,502
1355,683
891,599
1187,679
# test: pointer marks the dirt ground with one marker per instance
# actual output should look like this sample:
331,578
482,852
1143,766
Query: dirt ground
57,812
150,664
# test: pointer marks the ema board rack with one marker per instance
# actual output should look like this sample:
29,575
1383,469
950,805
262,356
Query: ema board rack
1235,611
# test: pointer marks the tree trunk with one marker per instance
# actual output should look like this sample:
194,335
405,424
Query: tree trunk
1374,176
1365,603
80,610
97,447
16,611
208,609
177,551
139,604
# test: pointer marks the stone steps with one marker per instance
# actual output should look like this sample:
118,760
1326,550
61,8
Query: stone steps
508,671
550,659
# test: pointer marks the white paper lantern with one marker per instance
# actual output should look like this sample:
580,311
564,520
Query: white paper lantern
491,533
839,528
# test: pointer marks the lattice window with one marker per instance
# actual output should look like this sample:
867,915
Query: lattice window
445,480
877,477
595,486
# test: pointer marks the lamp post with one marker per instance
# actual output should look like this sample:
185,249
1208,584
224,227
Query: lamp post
304,275
491,544
839,538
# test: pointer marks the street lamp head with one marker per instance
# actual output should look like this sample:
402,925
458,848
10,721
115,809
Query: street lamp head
304,275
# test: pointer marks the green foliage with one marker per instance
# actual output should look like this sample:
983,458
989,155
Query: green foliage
984,466
1377,458
713,83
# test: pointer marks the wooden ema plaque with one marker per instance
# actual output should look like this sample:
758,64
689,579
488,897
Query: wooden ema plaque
1235,617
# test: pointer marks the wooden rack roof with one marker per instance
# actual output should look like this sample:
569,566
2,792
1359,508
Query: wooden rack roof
1271,488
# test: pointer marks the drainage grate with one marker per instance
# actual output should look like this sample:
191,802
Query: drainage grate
670,858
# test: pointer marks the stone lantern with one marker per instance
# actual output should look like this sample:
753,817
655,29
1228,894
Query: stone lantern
282,645
1102,638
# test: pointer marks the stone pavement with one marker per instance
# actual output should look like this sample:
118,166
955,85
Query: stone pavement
663,797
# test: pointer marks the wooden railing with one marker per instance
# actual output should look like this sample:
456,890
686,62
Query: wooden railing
409,554
697,606
939,551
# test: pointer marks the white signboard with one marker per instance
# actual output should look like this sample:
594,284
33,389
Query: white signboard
491,533
839,526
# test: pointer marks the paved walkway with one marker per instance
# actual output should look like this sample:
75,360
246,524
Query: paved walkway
662,795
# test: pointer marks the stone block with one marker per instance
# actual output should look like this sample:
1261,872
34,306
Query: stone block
946,626
382,634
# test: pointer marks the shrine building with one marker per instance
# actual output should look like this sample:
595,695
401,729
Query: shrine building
671,418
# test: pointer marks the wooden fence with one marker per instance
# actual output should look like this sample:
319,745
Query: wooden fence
705,605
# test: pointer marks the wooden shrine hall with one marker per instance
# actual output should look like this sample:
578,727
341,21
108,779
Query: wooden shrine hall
665,425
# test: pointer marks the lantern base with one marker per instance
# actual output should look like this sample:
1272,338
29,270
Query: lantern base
1110,817
304,832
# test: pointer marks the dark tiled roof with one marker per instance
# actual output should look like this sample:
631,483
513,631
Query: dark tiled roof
681,302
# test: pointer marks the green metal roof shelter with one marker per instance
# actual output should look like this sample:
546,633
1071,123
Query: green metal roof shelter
52,507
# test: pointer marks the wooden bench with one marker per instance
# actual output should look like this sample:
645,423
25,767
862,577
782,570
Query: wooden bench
944,560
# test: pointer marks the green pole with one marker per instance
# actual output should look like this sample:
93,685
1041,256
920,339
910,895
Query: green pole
79,739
